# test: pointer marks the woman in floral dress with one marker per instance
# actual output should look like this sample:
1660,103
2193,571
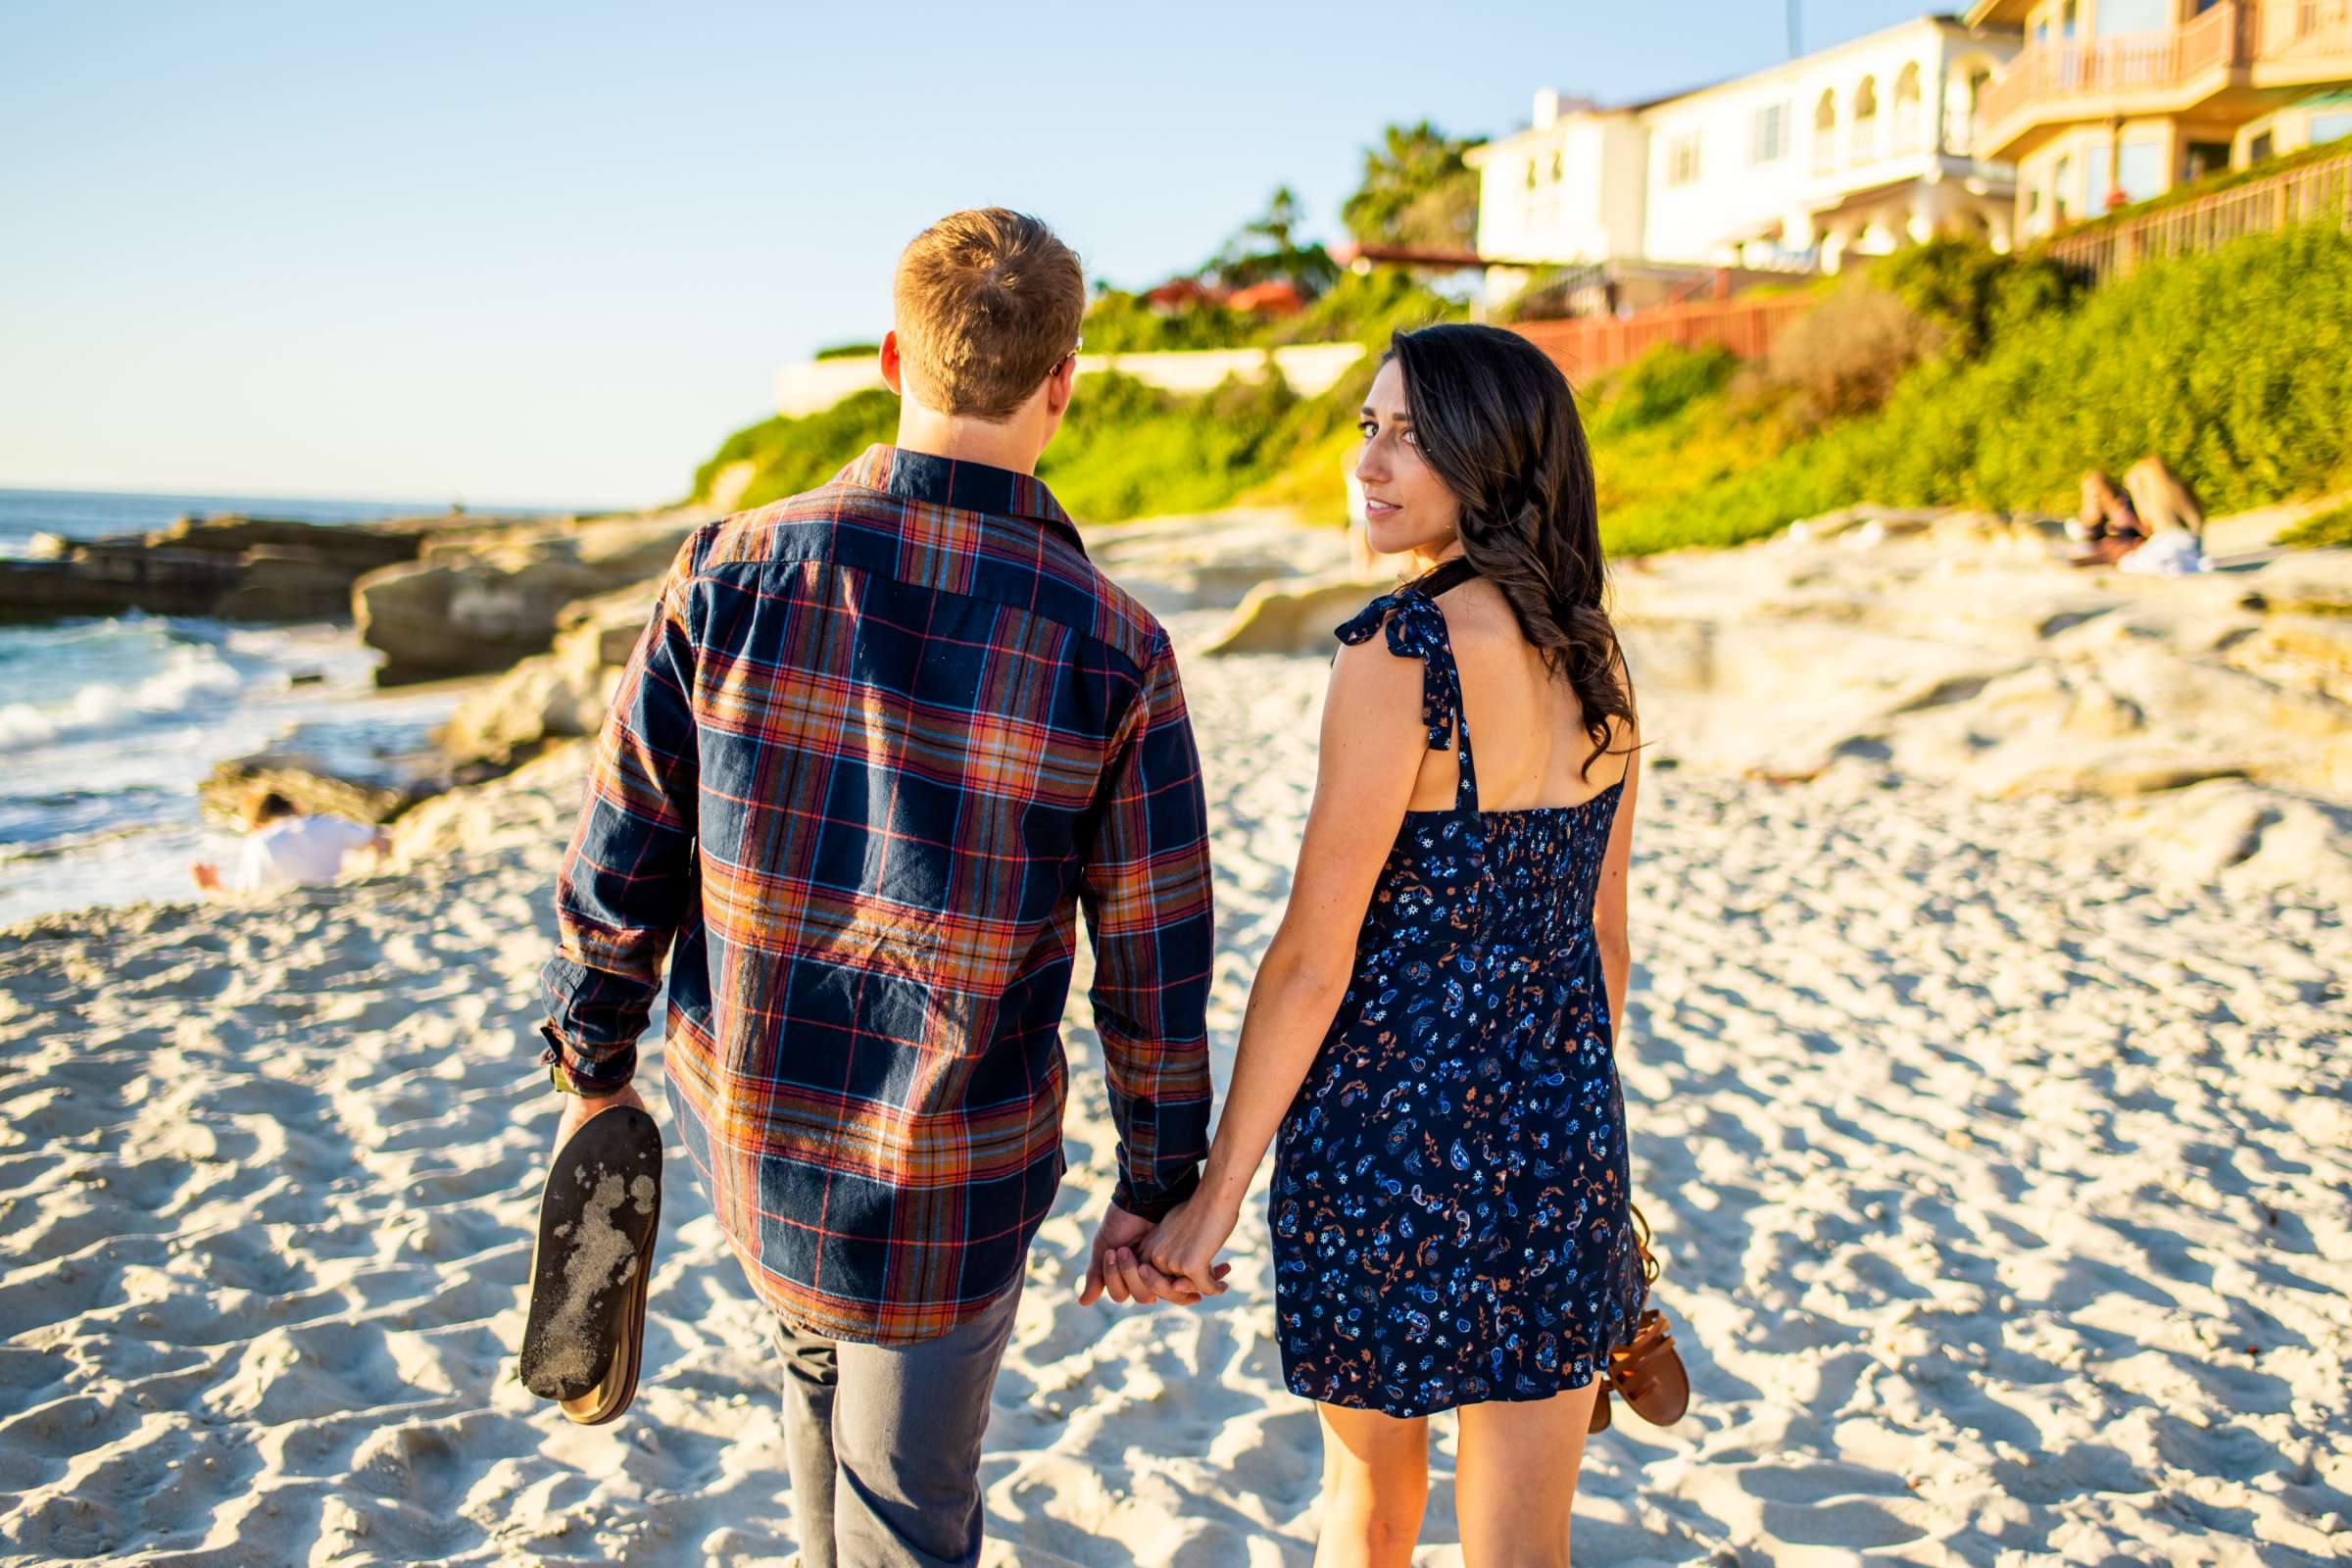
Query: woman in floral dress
1430,1043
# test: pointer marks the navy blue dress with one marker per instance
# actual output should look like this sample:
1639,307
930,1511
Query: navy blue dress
1450,1206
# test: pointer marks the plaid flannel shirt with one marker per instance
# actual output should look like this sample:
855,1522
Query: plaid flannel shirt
877,744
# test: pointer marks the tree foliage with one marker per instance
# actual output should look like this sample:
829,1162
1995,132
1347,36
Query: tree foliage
1268,248
1417,191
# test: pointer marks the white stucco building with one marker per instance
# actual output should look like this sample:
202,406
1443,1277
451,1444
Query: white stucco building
1853,150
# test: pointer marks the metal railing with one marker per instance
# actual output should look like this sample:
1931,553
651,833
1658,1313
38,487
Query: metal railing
2315,192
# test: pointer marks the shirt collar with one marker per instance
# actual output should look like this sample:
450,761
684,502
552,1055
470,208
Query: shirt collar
965,487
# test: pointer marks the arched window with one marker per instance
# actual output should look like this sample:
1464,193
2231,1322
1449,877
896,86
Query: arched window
1865,133
1825,132
1905,130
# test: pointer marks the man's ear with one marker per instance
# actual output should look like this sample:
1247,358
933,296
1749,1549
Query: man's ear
888,355
1059,385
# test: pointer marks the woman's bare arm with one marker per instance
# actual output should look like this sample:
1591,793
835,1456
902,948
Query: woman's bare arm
1609,898
1372,745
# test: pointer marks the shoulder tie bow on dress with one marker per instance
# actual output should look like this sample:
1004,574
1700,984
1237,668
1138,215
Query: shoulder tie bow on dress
1416,630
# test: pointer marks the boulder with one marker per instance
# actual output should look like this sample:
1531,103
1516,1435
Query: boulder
1296,615
2323,640
603,630
2310,582
353,547
108,583
436,619
312,787
559,694
287,582
1175,564
459,613
1868,524
2246,838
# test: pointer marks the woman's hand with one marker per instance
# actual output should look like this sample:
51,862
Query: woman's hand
1184,1245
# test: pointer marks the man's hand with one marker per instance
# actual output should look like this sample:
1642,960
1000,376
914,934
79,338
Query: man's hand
577,1109
207,876
1116,1265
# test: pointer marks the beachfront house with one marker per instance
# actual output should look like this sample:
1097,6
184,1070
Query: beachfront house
1851,150
2114,101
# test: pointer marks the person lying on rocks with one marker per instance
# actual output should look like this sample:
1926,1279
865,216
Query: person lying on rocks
2107,524
2153,524
286,848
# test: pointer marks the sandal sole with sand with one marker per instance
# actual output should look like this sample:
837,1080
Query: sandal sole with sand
598,1218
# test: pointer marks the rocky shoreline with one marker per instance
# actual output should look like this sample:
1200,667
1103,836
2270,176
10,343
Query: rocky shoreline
439,597
1950,647
229,568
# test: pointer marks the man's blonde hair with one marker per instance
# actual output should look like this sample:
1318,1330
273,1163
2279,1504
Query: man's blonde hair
987,304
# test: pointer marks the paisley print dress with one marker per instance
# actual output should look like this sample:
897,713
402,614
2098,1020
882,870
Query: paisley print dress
1449,1199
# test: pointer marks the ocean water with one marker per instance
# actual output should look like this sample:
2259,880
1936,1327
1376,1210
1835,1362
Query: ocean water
110,724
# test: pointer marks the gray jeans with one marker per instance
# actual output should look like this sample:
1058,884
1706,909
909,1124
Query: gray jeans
883,1442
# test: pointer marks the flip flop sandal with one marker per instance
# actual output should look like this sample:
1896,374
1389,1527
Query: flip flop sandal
1649,1374
1646,1371
597,1216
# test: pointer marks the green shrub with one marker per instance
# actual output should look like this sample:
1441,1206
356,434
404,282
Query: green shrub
2329,530
1366,308
1126,450
1970,293
848,350
790,455
1847,355
1120,322
2236,367
1660,384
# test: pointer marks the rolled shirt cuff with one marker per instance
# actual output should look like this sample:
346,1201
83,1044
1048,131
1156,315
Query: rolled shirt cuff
1156,1203
574,1072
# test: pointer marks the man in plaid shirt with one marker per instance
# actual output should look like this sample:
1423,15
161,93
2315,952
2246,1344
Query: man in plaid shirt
877,744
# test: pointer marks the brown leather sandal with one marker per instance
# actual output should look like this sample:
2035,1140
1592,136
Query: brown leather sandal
599,1215
1646,1372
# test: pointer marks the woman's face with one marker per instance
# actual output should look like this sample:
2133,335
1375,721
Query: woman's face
1406,508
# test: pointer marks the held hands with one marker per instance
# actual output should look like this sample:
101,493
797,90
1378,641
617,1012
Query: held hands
1119,1267
1183,1248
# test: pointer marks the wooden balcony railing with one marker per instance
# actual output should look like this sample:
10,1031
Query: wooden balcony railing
2233,35
2297,30
2319,192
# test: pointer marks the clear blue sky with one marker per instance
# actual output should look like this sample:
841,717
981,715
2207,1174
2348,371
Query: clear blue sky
553,253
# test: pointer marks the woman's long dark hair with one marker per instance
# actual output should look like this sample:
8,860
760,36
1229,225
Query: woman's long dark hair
1496,423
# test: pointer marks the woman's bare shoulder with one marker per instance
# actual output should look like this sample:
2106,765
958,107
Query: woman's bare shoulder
1477,616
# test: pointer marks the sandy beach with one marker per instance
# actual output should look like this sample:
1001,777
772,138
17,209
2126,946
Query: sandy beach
2002,1176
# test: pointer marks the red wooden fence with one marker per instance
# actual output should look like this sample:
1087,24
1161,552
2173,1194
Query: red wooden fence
1589,346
